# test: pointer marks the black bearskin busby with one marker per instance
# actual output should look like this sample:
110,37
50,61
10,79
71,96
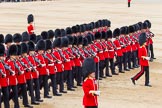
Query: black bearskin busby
38,37
145,26
89,38
116,32
148,23
17,38
64,42
71,39
57,33
44,35
8,38
31,46
48,44
68,31
140,25
104,35
24,48
142,38
33,38
51,34
123,30
12,50
75,40
57,43
80,40
1,38
2,49
30,18
63,32
85,41
131,29
40,45
89,67
25,37
74,29
97,35
109,34
19,50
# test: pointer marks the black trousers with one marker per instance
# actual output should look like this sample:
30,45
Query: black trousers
73,75
97,73
134,56
101,67
5,97
53,83
129,59
68,78
29,83
107,66
91,106
112,67
125,60
152,50
78,71
119,62
14,95
144,69
128,4
24,93
59,80
36,88
137,59
43,79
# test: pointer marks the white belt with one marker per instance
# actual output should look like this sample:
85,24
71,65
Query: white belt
51,64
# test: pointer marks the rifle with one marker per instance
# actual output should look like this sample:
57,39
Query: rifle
23,64
113,45
80,53
38,61
89,55
70,54
49,60
98,50
61,54
75,52
8,68
33,69
57,60
17,67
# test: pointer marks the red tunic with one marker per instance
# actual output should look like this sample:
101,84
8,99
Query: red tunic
143,52
99,54
124,49
28,74
111,50
72,59
96,58
30,29
67,63
50,64
129,48
41,69
3,80
20,77
32,61
12,78
119,50
133,43
89,99
77,60
105,47
59,66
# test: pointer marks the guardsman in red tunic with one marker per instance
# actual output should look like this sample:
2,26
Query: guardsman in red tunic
90,86
150,35
17,38
27,70
51,66
100,54
67,64
116,34
30,27
21,78
3,78
35,73
8,42
41,67
78,63
144,60
11,75
58,64
111,50
106,54
123,42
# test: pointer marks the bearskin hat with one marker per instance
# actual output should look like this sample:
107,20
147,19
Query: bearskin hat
116,32
30,18
92,25
71,39
68,31
1,38
63,32
85,41
33,38
140,25
97,35
97,25
104,35
74,29
12,50
145,26
57,42
44,35
17,38
64,42
48,44
2,49
123,30
57,33
31,46
19,50
109,34
82,28
80,40
40,45
131,29
148,23
89,38
24,48
25,37
51,34
142,38
89,67
38,37
8,38
75,40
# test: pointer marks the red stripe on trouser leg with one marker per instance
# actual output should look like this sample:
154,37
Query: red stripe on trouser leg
136,77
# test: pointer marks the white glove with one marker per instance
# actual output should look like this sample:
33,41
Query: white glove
97,93
147,58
